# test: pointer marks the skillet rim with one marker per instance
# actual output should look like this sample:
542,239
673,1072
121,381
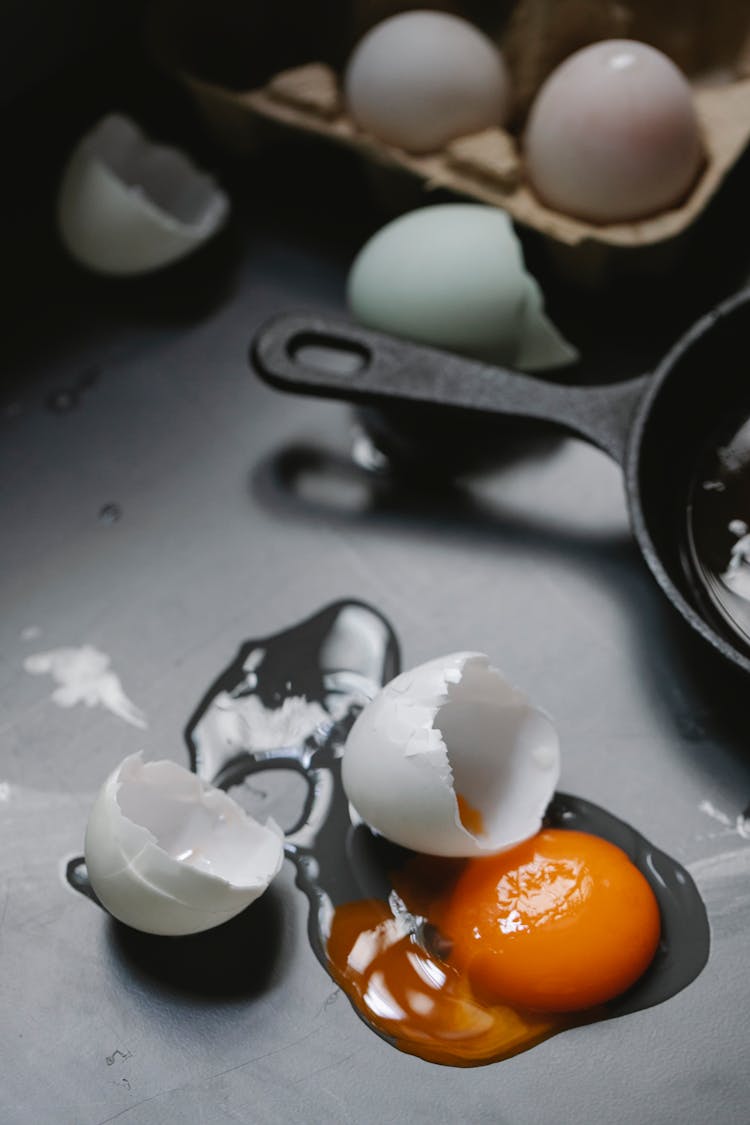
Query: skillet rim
632,467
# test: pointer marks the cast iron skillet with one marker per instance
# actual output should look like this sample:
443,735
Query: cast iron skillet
655,426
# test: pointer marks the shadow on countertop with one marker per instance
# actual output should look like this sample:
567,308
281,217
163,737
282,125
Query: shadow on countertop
693,687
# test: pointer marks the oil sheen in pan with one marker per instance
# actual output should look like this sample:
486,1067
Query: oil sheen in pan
718,526
287,702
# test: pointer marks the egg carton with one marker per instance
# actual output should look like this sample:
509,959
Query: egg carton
251,65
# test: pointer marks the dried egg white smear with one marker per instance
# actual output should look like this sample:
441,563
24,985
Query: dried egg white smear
84,675
168,854
127,206
450,760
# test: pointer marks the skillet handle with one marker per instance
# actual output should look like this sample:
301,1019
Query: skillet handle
307,354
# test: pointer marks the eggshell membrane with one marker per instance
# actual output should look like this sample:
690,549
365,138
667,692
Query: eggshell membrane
127,206
420,79
613,134
453,725
452,275
148,888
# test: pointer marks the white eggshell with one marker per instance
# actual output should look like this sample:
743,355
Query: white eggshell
420,79
612,134
451,726
168,854
453,275
127,206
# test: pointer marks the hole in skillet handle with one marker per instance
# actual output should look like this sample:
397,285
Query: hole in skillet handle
328,354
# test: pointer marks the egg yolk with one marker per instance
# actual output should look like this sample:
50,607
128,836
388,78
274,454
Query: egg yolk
561,922
472,961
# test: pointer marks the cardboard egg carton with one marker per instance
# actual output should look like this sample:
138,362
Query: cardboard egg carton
708,39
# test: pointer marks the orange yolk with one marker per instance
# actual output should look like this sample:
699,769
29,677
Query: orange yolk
559,923
473,961
470,817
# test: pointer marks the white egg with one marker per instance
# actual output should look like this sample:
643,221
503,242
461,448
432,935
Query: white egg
168,854
128,206
612,134
453,275
450,760
420,79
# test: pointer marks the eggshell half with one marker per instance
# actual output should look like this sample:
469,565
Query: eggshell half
453,275
451,727
128,206
168,854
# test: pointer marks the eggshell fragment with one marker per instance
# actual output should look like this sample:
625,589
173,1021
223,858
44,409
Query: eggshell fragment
453,275
168,854
420,79
452,730
613,134
128,206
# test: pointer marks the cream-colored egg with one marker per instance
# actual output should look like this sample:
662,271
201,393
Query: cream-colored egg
168,854
453,275
450,760
612,134
420,79
128,206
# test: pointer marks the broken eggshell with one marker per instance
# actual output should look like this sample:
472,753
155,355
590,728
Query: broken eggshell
127,206
168,854
453,275
450,760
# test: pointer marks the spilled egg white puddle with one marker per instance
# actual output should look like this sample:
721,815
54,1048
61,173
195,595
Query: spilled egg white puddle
366,895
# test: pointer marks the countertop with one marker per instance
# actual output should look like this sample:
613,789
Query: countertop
148,509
